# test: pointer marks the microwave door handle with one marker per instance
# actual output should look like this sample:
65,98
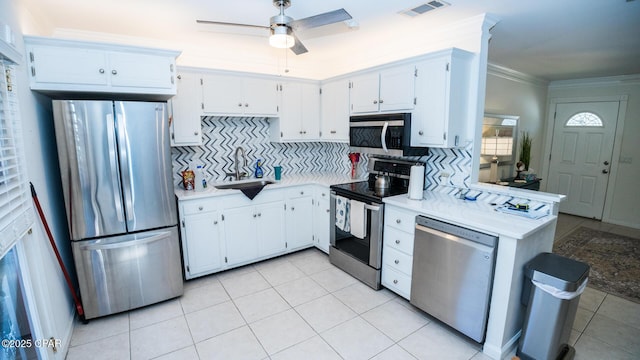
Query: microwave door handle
383,136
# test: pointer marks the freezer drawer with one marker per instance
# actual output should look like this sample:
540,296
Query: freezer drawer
126,272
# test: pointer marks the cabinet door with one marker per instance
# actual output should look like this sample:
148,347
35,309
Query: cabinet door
299,222
260,97
397,88
186,127
240,235
141,70
321,221
365,93
429,122
222,94
64,65
291,111
334,124
310,119
203,248
270,228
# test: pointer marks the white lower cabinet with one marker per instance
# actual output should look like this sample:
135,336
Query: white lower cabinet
397,252
299,218
202,241
222,232
321,219
253,232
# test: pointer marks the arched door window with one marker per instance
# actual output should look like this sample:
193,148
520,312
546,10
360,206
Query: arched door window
587,119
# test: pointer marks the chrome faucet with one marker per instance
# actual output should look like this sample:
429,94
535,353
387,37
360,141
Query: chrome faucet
240,175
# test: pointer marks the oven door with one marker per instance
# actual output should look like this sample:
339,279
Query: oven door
366,250
377,137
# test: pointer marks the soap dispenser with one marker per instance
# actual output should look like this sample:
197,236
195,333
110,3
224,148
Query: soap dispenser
259,173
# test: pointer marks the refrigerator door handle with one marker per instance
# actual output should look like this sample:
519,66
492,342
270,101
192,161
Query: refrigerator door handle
116,245
115,181
127,179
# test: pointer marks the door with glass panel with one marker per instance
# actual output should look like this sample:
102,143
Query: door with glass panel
581,152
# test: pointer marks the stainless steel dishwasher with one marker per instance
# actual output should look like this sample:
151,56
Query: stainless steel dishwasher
453,274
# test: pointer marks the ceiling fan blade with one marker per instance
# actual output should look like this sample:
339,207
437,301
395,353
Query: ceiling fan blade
231,24
297,47
321,19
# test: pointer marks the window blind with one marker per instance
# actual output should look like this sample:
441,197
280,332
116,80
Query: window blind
16,211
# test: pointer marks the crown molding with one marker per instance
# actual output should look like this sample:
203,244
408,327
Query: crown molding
599,81
513,75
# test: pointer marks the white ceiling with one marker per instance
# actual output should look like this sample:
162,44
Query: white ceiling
548,39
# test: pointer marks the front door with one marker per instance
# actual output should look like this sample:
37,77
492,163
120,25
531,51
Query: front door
581,153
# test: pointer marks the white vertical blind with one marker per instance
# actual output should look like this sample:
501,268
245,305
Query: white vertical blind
16,210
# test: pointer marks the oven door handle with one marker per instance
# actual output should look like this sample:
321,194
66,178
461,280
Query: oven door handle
372,208
383,136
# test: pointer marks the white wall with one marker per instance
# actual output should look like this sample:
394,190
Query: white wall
513,93
53,301
623,199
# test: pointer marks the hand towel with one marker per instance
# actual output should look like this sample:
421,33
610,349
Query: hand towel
342,214
358,219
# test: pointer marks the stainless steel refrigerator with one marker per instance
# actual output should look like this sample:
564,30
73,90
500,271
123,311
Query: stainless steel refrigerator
115,166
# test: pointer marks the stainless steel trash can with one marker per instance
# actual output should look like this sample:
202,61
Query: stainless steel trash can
551,293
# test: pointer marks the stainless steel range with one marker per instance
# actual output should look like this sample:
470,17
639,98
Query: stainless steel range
357,218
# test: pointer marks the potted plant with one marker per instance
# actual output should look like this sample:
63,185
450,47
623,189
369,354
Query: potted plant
525,149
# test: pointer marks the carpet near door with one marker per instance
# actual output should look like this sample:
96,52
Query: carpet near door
614,260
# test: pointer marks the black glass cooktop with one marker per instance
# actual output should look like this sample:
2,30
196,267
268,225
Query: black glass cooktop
366,191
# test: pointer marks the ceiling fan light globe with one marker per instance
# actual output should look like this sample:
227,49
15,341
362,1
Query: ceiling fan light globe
281,38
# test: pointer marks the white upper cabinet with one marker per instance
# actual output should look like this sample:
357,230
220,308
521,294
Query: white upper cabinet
239,95
186,126
442,99
384,91
76,66
299,116
334,111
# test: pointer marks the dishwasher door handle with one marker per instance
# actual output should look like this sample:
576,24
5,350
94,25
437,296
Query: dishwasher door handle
458,239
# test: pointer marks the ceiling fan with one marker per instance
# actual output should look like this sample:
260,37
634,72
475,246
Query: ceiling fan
282,26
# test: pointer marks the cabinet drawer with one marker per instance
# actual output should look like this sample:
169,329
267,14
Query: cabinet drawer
299,191
396,281
397,260
398,240
198,206
400,219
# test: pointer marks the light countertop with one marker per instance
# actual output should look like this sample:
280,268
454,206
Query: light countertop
476,215
314,178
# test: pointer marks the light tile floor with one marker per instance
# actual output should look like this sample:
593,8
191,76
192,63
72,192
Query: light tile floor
300,306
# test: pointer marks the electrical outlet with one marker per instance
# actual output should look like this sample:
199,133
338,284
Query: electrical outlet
444,174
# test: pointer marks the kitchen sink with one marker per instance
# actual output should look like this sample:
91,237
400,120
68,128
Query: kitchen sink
244,185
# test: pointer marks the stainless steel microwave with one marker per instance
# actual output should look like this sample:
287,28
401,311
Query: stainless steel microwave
383,134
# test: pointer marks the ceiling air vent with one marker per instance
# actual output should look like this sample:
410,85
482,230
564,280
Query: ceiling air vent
423,8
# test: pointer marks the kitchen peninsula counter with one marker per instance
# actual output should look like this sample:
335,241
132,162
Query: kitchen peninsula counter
519,240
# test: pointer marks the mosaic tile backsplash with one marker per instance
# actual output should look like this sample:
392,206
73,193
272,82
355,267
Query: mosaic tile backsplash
222,135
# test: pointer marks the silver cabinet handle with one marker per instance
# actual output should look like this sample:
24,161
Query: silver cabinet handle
398,242
397,261
195,133
292,208
395,281
215,222
246,105
375,101
254,215
239,104
420,132
114,72
301,192
328,210
200,208
101,71
259,214
398,221
333,131
381,101
323,194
